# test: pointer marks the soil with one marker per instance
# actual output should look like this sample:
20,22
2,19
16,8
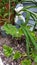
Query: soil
17,45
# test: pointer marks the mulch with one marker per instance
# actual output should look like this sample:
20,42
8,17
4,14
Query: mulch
17,44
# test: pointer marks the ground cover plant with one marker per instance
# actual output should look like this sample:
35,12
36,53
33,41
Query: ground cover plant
7,23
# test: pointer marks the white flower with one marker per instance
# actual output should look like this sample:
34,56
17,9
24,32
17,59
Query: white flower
16,19
21,17
19,7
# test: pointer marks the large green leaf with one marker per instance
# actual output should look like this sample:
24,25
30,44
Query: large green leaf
32,39
12,30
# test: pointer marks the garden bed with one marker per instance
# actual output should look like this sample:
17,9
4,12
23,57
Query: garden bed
17,45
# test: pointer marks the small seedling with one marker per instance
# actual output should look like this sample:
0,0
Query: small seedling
26,62
17,55
7,50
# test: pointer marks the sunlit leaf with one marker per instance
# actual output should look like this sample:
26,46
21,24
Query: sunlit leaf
17,55
7,50
26,62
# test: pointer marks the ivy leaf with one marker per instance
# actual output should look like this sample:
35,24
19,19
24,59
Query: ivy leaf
17,55
7,50
26,62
